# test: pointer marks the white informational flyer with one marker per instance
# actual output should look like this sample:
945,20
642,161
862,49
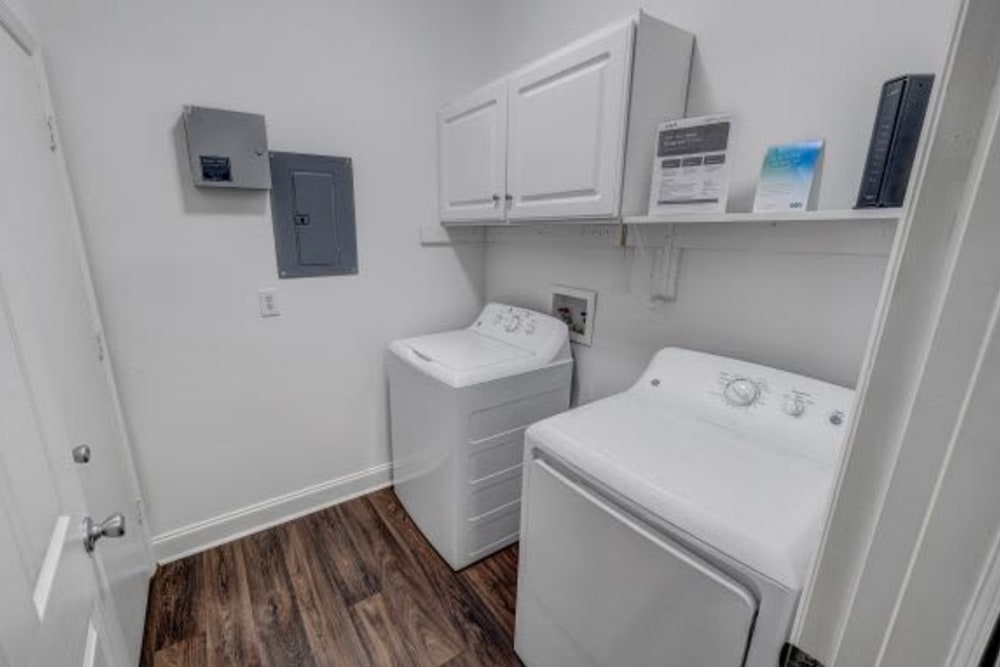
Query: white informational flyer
691,169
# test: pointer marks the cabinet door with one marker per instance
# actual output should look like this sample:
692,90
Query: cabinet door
567,130
472,137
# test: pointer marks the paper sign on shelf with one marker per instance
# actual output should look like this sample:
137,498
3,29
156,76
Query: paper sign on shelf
691,169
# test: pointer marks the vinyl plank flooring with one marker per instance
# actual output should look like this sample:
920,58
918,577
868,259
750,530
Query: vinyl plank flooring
176,616
274,604
188,652
346,568
483,635
383,639
494,581
356,584
229,628
332,636
408,595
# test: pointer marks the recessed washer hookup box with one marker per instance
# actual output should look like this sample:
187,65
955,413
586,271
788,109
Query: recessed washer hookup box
227,149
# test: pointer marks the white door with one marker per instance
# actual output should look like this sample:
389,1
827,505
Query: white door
597,588
566,137
52,314
49,607
472,142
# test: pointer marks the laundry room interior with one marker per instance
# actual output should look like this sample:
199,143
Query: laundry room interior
468,332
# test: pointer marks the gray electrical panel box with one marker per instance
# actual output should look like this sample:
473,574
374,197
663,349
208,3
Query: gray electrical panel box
312,205
227,149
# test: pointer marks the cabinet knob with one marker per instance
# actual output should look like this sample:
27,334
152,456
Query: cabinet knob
496,200
510,200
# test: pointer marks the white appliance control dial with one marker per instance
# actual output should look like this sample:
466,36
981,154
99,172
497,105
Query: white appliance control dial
741,392
794,406
529,328
512,324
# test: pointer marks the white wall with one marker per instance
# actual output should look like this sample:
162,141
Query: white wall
227,409
788,70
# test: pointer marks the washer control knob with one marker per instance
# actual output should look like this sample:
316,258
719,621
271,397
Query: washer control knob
741,392
513,323
529,328
794,407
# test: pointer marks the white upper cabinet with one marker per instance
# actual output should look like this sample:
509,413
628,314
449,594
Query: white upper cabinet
472,142
567,118
577,129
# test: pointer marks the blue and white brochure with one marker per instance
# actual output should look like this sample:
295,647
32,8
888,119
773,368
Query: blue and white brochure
789,177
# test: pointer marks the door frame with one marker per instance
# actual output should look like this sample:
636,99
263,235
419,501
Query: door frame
920,364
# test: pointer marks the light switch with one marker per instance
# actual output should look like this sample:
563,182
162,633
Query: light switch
268,298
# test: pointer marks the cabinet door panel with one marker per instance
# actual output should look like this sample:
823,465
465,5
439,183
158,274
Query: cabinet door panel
567,130
472,136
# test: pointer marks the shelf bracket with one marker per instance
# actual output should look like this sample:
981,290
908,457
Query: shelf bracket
659,255
666,263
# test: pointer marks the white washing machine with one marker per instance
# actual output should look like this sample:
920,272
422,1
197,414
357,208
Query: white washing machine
674,524
459,404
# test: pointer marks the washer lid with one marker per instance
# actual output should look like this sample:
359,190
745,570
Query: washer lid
465,350
463,358
762,506
501,342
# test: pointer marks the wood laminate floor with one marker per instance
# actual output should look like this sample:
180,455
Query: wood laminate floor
356,584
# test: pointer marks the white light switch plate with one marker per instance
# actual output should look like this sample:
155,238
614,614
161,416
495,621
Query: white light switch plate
268,298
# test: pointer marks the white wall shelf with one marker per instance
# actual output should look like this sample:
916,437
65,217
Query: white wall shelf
836,215
871,214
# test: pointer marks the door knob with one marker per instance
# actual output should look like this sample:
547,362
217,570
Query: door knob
81,454
113,526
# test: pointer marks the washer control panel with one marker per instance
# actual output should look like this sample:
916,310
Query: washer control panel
524,328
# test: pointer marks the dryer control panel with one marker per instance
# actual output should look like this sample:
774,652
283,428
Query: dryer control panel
526,329
798,414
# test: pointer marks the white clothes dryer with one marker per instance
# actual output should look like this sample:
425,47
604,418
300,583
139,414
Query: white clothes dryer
675,523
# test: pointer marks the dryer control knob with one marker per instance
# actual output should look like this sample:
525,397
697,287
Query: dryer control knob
741,392
794,407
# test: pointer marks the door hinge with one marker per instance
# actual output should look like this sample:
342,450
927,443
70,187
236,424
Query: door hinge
100,345
50,122
793,656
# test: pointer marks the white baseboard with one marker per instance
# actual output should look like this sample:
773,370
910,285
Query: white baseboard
197,537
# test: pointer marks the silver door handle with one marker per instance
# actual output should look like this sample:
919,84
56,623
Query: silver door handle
81,454
113,526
